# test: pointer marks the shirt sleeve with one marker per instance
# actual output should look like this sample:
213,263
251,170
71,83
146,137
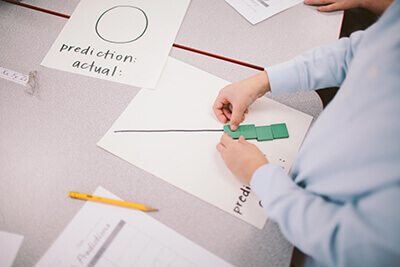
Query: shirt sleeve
358,233
321,67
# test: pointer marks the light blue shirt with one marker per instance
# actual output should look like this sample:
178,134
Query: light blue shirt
341,202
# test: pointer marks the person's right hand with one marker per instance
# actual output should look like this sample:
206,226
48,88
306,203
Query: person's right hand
233,101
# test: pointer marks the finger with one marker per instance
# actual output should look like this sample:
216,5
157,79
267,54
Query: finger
328,8
229,109
226,140
221,148
227,113
246,111
218,110
237,114
318,2
221,116
242,140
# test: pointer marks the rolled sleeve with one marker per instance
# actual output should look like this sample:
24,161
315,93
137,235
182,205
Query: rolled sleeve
317,68
283,78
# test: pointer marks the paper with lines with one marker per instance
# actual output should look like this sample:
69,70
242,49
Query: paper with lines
106,235
256,11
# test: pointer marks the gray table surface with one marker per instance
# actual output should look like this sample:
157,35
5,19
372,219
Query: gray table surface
48,141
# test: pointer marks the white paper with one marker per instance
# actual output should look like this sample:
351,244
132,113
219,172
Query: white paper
14,76
190,161
256,11
107,235
125,41
9,246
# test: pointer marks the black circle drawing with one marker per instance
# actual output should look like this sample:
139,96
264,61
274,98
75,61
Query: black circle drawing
122,24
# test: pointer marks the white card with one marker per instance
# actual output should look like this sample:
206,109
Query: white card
256,11
9,246
125,41
190,161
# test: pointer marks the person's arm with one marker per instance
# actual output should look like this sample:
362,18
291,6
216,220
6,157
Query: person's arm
318,68
363,232
321,67
357,233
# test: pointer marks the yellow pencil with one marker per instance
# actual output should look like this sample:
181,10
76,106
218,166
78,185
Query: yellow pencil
111,201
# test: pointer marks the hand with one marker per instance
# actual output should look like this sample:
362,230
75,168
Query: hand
332,5
376,6
233,101
241,157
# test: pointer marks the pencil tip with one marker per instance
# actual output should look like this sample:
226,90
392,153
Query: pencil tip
151,209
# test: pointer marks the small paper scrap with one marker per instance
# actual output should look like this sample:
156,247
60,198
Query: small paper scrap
14,76
29,80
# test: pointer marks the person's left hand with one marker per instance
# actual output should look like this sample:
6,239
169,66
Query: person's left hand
333,5
241,157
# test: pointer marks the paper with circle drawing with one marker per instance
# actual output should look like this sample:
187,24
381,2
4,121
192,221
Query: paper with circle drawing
125,41
190,161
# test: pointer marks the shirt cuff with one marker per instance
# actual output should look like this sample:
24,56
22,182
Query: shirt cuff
284,78
270,183
262,179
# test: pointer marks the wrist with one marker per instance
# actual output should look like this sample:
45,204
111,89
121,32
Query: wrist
365,4
263,84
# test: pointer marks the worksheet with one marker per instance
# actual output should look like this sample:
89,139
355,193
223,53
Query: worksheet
189,160
125,41
256,11
9,246
106,235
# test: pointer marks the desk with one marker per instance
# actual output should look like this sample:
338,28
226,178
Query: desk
48,142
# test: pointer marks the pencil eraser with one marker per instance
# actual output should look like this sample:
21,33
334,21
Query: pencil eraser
234,134
248,131
279,130
264,133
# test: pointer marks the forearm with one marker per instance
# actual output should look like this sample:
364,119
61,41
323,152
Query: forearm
304,219
359,233
318,68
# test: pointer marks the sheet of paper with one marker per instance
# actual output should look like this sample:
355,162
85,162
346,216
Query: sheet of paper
107,235
9,246
190,161
256,11
125,41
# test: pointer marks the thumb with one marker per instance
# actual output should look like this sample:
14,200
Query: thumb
236,119
243,140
